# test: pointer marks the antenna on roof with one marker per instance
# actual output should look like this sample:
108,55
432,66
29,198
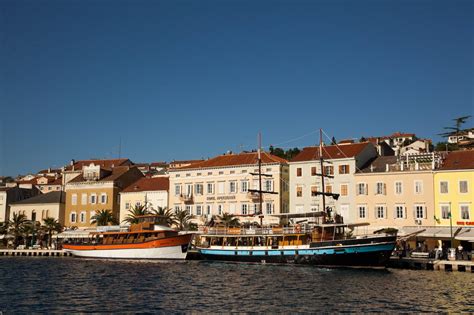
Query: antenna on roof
120,148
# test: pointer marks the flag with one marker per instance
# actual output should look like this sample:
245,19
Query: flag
437,220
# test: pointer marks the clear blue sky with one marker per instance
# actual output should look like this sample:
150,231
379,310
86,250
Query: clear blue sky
192,79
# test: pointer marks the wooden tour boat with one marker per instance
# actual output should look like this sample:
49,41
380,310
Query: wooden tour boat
146,240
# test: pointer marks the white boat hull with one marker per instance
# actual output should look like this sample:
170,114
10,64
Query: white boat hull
169,252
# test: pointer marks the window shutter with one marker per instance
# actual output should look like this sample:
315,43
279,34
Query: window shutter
366,189
375,213
405,212
384,189
425,212
414,212
395,212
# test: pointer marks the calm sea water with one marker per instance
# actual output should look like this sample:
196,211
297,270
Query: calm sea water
46,285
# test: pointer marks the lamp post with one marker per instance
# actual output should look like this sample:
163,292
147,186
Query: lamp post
451,225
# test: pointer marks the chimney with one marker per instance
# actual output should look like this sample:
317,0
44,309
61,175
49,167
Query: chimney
72,162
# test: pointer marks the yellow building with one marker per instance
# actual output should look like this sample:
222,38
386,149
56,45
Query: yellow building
40,207
454,189
96,188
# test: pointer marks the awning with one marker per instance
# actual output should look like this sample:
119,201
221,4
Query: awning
466,234
74,234
438,232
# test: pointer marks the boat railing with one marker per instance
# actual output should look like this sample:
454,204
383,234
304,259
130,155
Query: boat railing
255,231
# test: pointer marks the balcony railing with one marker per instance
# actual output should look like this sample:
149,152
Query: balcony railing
186,198
256,231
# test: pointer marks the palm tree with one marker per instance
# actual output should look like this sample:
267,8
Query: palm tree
16,227
4,231
229,220
51,225
183,219
103,217
32,228
135,212
168,217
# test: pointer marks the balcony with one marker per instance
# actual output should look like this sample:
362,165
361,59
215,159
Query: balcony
186,198
253,196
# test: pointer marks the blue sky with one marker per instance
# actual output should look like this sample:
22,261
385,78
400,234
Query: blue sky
193,79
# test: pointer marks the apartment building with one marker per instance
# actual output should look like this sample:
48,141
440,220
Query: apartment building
341,162
220,185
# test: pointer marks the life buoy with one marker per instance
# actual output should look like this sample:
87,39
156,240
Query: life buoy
297,228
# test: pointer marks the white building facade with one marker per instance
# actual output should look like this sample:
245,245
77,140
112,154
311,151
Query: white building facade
341,162
221,185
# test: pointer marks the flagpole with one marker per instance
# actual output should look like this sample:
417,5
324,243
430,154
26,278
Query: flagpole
451,225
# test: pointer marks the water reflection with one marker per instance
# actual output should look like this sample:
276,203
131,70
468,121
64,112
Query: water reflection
81,285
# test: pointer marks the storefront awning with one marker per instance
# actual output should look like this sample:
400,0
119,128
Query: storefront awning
466,234
74,234
438,232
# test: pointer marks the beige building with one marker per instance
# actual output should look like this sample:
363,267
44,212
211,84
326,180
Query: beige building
96,188
38,208
152,192
10,194
221,185
396,192
75,168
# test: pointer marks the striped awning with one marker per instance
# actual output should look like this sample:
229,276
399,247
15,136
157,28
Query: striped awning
466,234
74,234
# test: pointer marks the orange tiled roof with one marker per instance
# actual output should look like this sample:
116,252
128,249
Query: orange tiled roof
107,164
330,152
235,160
112,176
458,160
149,184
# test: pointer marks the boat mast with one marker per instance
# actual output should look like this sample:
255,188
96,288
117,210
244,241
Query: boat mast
260,197
321,160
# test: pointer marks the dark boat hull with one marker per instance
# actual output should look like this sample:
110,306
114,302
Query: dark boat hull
363,253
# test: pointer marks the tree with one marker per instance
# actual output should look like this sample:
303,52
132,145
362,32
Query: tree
135,212
167,215
183,219
291,153
16,227
51,225
229,220
4,230
32,228
103,217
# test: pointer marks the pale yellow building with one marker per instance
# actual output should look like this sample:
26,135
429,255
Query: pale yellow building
393,192
40,207
150,192
221,185
96,188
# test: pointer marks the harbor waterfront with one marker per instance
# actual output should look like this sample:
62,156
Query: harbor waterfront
46,285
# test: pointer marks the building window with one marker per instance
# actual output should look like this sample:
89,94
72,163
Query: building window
93,199
232,208
268,185
189,209
177,208
103,198
443,187
420,212
362,188
91,214
269,207
362,212
220,209
445,212
82,217
73,217
418,187
244,209
74,199
400,212
244,186
398,188
199,189
232,187
329,170
313,171
127,206
343,169
198,210
208,209
329,189
299,191
177,190
299,172
210,188
380,188
84,199
189,189
314,191
463,189
465,212
221,187
380,212
344,190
